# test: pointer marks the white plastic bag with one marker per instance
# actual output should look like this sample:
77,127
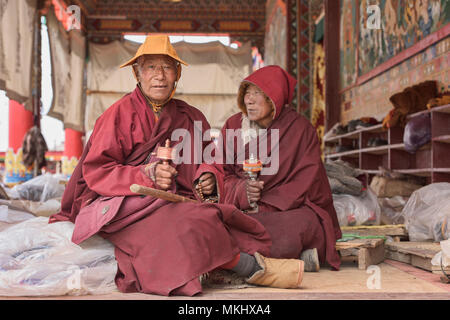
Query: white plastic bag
10,215
392,208
40,188
443,255
426,211
39,259
355,211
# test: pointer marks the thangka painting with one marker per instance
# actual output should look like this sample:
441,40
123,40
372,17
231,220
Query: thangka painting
348,44
402,23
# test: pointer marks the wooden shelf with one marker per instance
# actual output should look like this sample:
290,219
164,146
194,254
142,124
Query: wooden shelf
425,172
376,150
444,138
432,160
371,171
350,153
355,134
443,109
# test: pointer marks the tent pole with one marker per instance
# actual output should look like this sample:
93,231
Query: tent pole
37,69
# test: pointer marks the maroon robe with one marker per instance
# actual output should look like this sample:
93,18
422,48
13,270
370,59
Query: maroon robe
161,247
296,204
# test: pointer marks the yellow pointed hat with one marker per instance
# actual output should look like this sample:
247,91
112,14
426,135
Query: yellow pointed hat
155,44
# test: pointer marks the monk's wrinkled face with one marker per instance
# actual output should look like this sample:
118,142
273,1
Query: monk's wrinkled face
157,74
259,107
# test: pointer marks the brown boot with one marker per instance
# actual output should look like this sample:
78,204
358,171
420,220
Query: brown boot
278,273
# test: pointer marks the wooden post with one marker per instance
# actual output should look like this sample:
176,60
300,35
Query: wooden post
332,68
37,70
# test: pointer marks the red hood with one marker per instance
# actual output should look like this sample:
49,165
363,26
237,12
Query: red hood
275,82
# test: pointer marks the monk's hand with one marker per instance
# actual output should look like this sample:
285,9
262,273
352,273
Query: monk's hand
206,183
254,189
164,173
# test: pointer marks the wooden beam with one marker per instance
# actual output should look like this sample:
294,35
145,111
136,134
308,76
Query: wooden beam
37,68
332,69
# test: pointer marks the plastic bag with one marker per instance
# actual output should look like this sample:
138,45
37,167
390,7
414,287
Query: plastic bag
39,259
391,208
41,209
355,211
426,213
417,132
10,215
40,188
443,255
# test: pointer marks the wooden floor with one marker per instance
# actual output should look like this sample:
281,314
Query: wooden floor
397,281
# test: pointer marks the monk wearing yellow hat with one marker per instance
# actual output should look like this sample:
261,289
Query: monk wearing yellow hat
162,247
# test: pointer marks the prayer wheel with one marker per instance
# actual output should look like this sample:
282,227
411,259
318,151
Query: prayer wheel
252,167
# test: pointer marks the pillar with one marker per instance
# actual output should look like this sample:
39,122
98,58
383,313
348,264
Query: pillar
73,148
20,121
73,144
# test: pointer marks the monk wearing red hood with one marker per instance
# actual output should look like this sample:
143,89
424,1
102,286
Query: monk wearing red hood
291,197
162,247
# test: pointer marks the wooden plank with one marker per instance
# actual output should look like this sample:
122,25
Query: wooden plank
397,256
350,259
365,251
370,256
421,249
421,262
417,254
384,230
359,243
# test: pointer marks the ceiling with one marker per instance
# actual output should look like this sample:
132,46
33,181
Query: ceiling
106,20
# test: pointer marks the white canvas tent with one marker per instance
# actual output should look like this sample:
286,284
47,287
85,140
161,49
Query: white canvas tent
209,83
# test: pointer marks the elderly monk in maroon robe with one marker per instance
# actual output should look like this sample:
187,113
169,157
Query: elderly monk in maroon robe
162,247
292,199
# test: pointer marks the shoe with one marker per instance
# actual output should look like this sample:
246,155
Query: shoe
379,142
278,273
311,259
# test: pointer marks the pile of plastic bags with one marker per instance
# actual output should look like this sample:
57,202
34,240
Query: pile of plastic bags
39,259
354,204
442,258
41,188
427,211
357,210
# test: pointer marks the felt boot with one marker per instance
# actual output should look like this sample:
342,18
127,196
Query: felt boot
404,102
278,273
311,259
425,91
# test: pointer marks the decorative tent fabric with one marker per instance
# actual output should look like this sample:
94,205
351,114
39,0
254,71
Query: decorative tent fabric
16,48
68,65
275,41
209,83
318,104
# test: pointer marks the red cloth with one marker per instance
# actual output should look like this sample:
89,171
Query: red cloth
296,205
161,247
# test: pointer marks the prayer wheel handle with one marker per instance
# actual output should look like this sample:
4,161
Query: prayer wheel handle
252,167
